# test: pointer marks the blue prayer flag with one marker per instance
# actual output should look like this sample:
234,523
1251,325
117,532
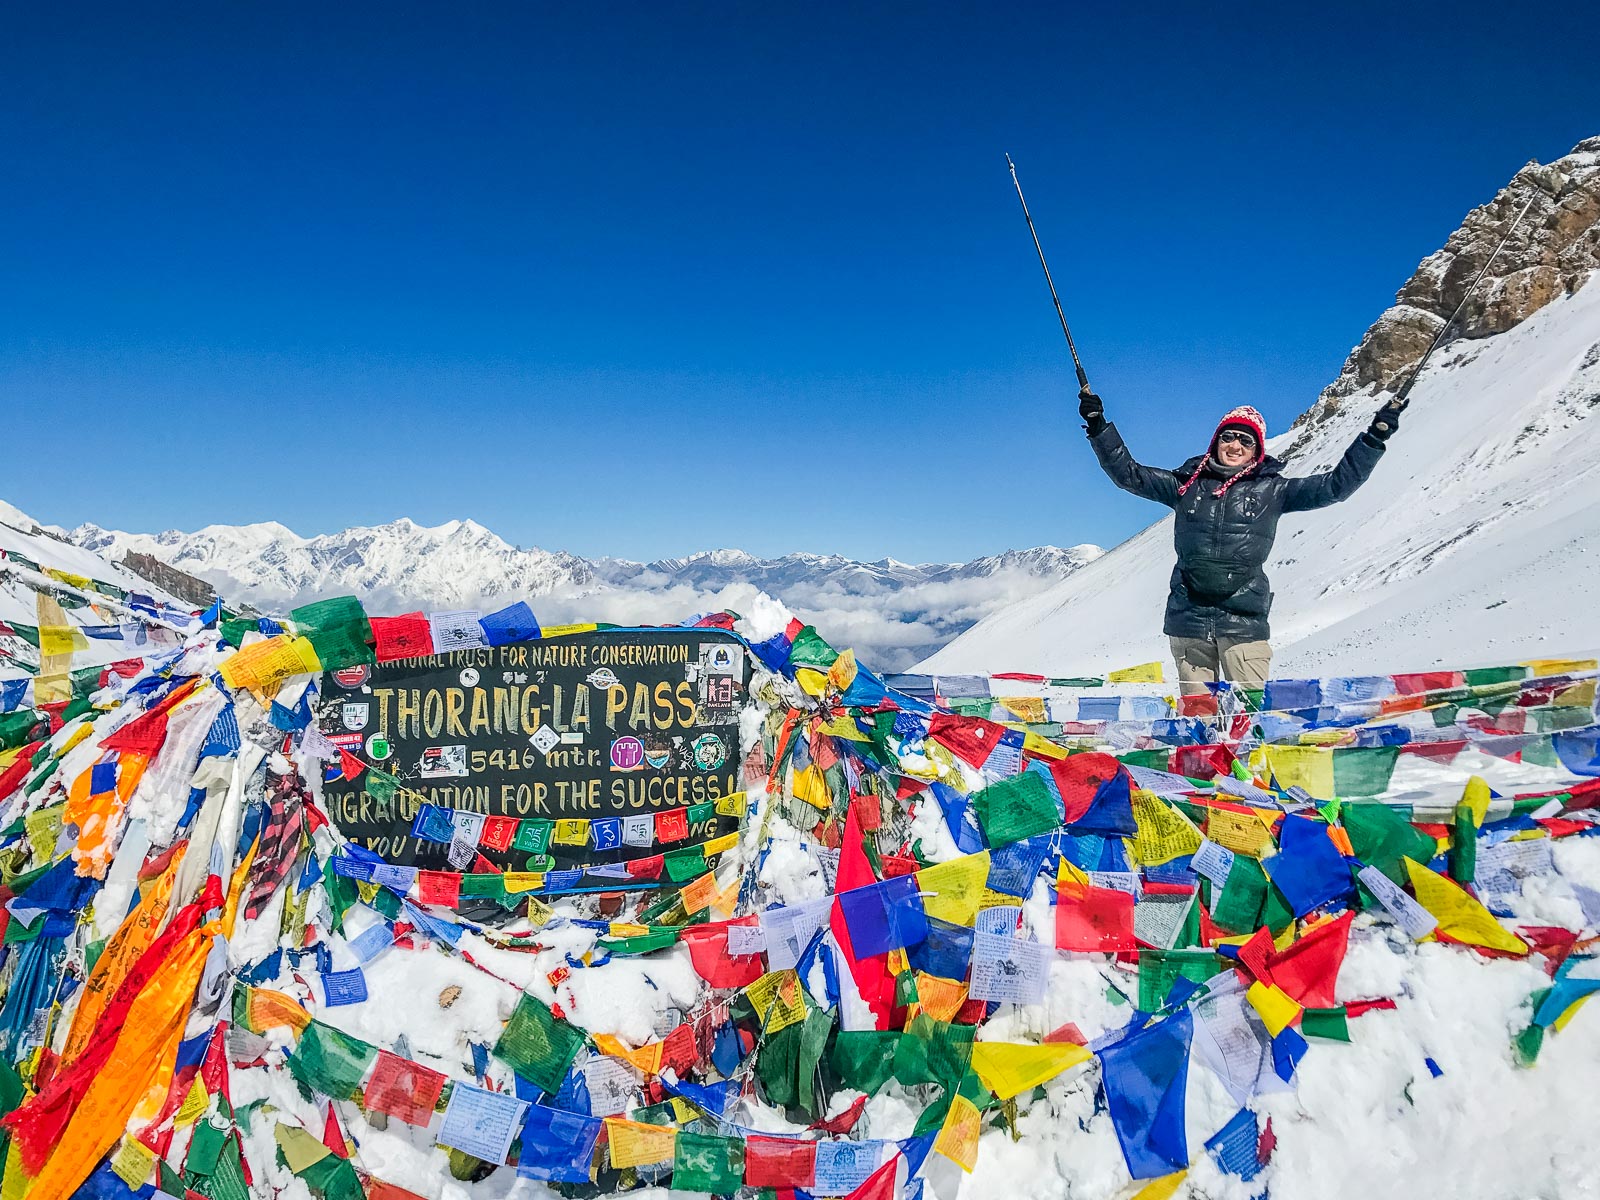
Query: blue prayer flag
1308,868
557,1146
1145,1076
514,623
884,916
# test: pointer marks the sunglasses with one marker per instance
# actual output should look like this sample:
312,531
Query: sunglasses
1244,439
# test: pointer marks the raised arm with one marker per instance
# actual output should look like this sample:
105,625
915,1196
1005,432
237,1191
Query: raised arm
1116,462
1330,487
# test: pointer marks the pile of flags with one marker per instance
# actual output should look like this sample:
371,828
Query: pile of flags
186,933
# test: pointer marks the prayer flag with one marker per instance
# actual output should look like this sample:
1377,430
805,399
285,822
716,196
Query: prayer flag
1145,1075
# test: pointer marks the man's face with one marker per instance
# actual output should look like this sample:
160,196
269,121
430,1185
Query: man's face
1235,448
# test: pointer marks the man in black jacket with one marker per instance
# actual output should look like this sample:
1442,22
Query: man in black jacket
1226,504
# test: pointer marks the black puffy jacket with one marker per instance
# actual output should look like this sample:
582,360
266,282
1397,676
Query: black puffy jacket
1218,587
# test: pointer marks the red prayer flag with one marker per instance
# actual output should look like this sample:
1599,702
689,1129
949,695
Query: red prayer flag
1309,969
779,1162
438,887
404,1089
845,1121
1255,955
333,1136
1094,919
708,951
498,833
406,636
646,868
678,1050
672,825
971,739
1067,1033
1078,779
142,735
871,974
880,1184
349,765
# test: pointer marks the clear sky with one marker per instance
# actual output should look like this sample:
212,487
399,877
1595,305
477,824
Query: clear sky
646,279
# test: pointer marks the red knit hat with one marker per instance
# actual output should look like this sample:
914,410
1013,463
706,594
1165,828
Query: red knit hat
1250,419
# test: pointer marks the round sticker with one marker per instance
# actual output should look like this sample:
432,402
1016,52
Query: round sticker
352,677
469,677
709,752
627,754
378,748
657,753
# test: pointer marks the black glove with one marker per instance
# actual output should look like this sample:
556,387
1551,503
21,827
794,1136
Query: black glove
1385,422
1092,411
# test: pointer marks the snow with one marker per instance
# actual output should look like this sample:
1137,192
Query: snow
1474,542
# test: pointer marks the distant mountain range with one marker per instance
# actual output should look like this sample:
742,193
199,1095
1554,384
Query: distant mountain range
893,613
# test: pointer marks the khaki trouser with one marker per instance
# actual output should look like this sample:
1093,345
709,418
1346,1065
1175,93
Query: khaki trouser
1243,663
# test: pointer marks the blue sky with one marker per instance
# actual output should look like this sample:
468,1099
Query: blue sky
647,279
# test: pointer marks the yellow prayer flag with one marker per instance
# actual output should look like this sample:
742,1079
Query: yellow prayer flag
698,893
267,1008
571,831
1164,832
811,785
952,889
1150,672
1458,914
61,639
717,845
726,899
1243,833
843,725
843,672
81,582
1028,709
812,682
1310,767
940,998
778,993
539,913
194,1104
555,631
1042,747
300,1149
133,1162
1543,668
523,881
16,1182
1570,1011
1275,1006
731,805
1476,797
646,1058
1579,695
637,1144
958,1136
1162,1188
1008,1069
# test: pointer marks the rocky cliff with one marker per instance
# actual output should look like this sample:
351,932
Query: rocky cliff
1551,253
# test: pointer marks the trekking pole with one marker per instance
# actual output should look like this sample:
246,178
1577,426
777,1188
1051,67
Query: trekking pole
1083,379
1401,397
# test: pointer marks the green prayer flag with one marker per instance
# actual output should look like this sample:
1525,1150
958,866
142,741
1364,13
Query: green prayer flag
331,1062
685,864
933,1051
698,814
1160,969
703,1162
647,943
1330,1023
1491,676
1464,846
1363,770
533,836
1016,808
813,1041
234,629
809,650
864,1059
1276,913
28,633
1154,760
537,1045
489,885
1383,838
1238,908
338,629
778,1065
333,1178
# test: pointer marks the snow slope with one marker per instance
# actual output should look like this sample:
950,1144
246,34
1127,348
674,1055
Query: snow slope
1477,539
